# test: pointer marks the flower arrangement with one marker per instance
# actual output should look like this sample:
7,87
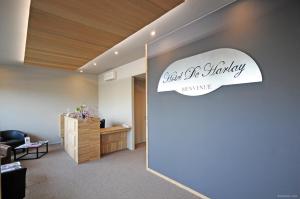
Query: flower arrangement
82,112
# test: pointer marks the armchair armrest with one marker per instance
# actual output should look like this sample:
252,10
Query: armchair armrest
5,153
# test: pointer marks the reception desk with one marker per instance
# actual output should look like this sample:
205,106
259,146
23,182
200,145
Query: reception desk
82,138
84,141
113,139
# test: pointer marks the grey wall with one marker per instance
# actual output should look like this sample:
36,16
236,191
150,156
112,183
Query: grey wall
31,98
241,141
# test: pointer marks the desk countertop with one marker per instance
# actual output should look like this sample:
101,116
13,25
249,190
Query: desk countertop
114,129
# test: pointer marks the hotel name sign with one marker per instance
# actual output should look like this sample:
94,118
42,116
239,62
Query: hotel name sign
203,73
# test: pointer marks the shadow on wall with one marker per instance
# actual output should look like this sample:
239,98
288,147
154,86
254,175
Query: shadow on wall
34,137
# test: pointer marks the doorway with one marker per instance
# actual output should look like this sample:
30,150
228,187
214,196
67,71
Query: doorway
140,109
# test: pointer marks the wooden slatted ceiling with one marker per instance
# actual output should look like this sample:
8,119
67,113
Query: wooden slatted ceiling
69,33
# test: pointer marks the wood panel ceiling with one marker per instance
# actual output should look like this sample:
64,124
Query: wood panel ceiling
69,33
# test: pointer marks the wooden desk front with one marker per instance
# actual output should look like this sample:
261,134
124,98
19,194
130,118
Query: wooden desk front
113,139
82,139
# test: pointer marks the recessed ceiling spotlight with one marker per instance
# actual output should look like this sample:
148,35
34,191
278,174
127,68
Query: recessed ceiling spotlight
94,63
81,71
153,33
116,52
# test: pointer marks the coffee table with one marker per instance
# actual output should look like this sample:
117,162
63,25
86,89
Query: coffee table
34,146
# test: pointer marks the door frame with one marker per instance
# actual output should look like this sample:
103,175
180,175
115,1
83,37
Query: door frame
133,79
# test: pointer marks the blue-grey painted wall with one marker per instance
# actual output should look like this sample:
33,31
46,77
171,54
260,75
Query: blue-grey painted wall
240,141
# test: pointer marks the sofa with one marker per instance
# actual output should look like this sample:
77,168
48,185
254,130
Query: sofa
13,184
13,138
5,154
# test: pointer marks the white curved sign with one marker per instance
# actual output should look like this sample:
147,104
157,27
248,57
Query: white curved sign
203,73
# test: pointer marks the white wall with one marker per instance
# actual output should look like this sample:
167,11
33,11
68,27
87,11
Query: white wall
116,96
31,98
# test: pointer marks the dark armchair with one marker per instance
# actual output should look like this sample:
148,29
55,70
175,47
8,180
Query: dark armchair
5,154
12,138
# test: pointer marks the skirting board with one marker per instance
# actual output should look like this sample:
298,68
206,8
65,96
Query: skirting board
178,184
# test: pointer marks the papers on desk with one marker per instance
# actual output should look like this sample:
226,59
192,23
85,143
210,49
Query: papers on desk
125,125
10,167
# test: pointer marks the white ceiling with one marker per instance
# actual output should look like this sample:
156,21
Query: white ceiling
13,30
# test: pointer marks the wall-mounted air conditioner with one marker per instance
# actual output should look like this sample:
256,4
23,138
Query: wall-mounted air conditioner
110,76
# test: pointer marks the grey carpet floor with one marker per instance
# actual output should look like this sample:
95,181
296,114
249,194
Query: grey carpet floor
121,175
